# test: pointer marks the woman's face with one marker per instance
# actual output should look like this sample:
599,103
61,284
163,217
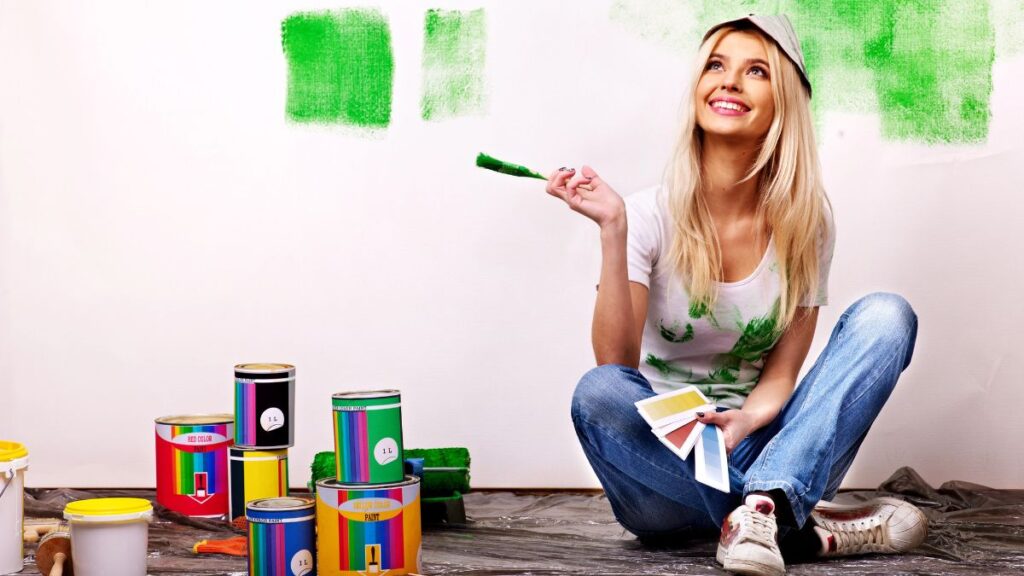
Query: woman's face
734,94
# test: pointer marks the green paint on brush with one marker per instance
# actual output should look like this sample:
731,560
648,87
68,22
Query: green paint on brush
924,66
454,55
340,67
492,163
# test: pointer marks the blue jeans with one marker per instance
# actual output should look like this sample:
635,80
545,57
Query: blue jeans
804,452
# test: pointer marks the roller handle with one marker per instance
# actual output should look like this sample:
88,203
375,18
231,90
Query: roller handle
58,564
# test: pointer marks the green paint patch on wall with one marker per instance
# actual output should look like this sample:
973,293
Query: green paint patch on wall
454,55
340,67
925,66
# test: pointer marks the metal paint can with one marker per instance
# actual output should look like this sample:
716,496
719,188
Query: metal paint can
192,463
368,437
264,406
255,474
365,529
281,536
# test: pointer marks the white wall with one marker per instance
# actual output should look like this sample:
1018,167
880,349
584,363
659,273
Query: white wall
160,222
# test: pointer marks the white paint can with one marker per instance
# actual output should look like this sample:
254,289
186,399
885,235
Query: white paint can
13,463
109,536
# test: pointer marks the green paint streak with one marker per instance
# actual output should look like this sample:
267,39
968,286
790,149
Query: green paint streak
492,163
340,67
700,309
454,55
925,66
756,338
672,334
667,368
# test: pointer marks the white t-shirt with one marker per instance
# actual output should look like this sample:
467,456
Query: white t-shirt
721,351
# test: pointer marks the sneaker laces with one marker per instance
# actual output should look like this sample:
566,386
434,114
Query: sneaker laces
856,536
762,526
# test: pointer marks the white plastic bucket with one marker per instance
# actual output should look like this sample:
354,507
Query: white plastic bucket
109,536
13,463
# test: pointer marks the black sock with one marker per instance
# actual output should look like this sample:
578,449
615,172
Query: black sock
796,543
801,544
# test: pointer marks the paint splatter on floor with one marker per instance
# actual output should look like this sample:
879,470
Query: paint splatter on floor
340,67
454,56
924,67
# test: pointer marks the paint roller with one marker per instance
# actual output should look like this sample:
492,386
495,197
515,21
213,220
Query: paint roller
53,557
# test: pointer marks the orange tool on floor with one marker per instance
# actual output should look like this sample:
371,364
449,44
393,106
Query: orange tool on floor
237,546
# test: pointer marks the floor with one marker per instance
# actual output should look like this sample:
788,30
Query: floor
972,530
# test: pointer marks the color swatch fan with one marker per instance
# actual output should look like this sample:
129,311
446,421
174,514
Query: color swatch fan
673,419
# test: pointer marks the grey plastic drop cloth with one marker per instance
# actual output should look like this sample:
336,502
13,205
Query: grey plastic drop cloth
972,530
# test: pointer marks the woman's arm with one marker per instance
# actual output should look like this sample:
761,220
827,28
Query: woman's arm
776,384
621,308
781,368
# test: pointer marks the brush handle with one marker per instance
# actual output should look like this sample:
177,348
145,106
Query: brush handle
58,564
33,532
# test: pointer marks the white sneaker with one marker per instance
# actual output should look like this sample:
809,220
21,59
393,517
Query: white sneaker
749,541
879,526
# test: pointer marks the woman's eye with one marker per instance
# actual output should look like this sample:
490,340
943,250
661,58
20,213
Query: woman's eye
758,71
713,65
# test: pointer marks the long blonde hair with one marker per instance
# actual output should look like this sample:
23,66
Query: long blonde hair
792,200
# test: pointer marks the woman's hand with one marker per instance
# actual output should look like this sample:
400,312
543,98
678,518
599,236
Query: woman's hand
589,195
735,424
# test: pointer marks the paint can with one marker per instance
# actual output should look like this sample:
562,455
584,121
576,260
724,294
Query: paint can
264,406
368,529
255,474
192,463
109,536
281,536
13,463
368,437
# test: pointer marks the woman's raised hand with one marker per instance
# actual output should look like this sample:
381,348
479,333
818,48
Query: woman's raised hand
588,194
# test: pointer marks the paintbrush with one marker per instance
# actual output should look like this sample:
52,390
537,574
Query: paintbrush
491,163
53,556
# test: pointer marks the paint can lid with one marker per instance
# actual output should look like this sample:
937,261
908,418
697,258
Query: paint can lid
281,503
12,451
196,419
13,456
335,484
366,394
109,510
264,368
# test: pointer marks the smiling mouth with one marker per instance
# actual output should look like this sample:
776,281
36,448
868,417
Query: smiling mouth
728,108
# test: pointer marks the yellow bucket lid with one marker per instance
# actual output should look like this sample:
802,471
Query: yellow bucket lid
12,451
108,509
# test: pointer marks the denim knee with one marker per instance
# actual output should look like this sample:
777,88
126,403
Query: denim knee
889,318
595,389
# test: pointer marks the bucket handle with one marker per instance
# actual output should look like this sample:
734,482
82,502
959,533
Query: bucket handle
8,478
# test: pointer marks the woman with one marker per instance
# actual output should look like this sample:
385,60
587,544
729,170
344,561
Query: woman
715,280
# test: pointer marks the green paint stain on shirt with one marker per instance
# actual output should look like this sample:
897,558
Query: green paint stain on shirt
672,334
454,55
924,66
340,67
667,368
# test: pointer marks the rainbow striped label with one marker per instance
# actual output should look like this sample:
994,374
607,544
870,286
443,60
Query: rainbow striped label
370,521
281,549
367,531
368,440
192,468
263,413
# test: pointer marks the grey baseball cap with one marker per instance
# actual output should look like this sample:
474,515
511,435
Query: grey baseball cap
778,28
